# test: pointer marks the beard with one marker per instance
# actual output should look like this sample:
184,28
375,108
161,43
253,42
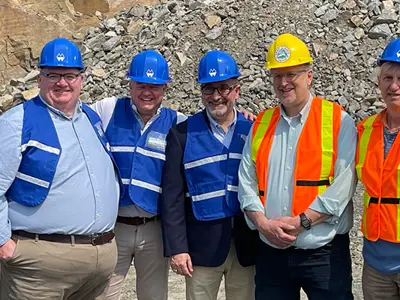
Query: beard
218,112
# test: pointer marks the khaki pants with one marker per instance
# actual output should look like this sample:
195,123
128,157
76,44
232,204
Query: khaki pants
205,281
57,271
377,285
143,244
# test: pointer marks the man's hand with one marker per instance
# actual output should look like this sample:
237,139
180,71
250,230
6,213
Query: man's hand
276,232
295,222
7,250
248,115
182,264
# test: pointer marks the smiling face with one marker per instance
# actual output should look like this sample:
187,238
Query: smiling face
61,94
219,104
147,97
389,85
292,85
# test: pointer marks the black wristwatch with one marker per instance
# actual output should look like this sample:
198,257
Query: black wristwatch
305,222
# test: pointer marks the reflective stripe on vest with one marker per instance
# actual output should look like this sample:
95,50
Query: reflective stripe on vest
381,179
312,177
40,147
211,169
140,157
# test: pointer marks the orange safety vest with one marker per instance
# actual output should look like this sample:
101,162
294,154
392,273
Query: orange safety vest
381,179
315,154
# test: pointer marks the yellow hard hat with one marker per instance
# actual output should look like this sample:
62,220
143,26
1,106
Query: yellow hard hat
287,51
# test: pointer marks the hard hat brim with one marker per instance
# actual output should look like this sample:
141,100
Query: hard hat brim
289,64
149,80
219,78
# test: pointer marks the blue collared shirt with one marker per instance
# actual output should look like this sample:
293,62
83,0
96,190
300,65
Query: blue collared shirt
335,201
83,198
224,137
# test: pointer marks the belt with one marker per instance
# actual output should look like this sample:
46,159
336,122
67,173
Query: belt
136,221
95,239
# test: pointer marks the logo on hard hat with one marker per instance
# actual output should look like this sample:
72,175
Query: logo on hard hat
150,73
212,72
282,54
60,57
398,54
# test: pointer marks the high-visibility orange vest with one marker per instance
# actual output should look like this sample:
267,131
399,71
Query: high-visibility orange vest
315,154
381,179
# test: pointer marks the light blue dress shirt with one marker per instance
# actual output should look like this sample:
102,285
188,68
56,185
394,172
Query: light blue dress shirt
83,198
224,137
335,201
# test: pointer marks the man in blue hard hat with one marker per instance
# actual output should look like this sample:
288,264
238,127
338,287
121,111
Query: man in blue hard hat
58,189
204,231
377,164
136,128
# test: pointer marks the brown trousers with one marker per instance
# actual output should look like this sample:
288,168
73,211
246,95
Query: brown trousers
57,271
380,286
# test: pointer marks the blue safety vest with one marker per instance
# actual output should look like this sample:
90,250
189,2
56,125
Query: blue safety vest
41,152
211,169
140,157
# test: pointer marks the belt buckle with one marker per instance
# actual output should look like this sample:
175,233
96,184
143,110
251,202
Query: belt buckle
94,239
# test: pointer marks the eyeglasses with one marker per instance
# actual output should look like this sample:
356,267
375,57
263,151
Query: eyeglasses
223,89
56,77
290,76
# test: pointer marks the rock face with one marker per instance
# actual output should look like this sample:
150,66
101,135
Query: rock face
25,26
345,38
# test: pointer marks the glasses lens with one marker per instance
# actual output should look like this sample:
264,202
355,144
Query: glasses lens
53,77
208,90
70,77
224,89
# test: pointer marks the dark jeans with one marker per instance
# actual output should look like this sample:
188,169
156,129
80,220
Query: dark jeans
323,273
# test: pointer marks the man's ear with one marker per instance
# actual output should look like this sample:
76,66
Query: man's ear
309,77
237,91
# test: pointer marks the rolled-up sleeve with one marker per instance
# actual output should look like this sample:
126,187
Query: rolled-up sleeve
248,184
338,195
10,158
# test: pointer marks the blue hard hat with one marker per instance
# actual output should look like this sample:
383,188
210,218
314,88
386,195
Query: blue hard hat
61,52
215,66
391,52
149,67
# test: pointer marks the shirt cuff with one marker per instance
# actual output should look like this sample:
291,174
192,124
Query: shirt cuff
5,233
318,205
249,203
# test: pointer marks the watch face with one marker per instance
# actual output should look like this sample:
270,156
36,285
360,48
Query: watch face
305,222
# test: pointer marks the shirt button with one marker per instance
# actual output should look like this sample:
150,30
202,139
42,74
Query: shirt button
287,168
290,148
285,187
293,129
285,208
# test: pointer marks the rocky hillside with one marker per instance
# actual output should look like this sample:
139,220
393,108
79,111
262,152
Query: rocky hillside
345,37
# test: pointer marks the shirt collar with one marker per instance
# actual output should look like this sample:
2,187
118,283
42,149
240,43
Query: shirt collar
214,123
78,108
302,114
